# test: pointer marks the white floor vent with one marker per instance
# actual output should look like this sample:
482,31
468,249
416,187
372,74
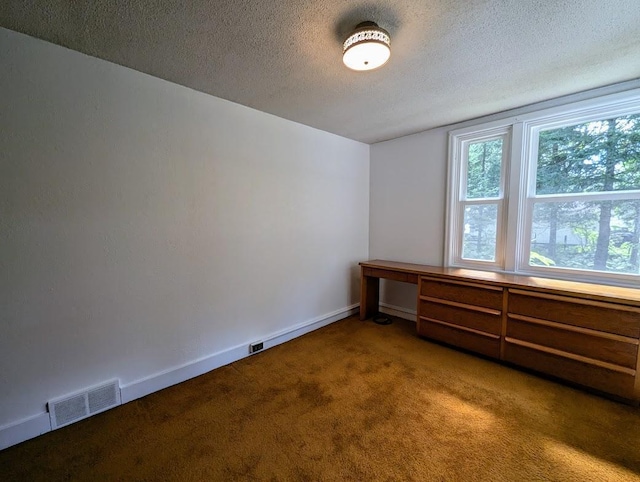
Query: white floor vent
71,408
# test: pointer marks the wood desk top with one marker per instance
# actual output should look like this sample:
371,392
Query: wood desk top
592,291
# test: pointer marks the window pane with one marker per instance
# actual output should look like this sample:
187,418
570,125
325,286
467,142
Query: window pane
484,166
596,156
600,236
479,238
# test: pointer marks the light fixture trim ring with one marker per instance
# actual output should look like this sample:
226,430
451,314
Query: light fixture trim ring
366,34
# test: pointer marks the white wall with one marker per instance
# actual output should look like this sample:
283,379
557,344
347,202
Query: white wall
408,188
146,226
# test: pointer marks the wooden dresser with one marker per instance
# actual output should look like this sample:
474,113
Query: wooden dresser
580,332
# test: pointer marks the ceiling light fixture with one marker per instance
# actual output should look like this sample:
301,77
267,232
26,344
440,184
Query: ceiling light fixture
367,48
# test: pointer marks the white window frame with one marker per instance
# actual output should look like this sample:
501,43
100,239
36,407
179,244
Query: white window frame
518,186
460,189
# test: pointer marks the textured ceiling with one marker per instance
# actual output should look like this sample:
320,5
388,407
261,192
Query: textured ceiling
451,60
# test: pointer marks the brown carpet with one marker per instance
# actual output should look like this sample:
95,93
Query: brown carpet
352,401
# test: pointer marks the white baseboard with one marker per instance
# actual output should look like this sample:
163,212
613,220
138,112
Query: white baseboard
25,429
31,427
175,375
398,311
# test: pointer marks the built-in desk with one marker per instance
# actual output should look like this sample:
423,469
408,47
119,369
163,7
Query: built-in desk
372,271
585,333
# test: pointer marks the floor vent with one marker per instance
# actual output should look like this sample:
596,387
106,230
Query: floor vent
71,408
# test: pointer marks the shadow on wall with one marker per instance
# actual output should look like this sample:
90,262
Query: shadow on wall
398,294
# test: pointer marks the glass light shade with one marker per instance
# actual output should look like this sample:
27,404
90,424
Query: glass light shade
367,48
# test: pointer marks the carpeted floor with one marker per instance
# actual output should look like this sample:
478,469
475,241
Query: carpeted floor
351,401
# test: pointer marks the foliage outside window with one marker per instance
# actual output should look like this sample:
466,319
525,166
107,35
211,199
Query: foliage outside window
555,193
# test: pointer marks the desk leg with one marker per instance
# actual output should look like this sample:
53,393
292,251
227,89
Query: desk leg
369,296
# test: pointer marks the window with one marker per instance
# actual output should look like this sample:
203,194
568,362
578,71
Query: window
554,193
480,206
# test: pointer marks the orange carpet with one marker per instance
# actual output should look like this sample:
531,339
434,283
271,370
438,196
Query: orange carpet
351,401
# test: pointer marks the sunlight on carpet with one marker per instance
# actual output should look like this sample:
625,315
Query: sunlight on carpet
579,465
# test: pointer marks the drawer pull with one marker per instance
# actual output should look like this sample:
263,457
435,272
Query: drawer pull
575,329
465,306
463,283
575,300
564,354
463,328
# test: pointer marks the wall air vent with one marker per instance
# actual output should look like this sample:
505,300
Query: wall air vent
74,407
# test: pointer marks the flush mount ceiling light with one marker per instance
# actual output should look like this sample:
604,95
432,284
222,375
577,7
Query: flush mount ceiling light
367,48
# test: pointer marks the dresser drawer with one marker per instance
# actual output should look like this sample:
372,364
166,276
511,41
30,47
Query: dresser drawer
481,319
594,344
616,382
462,292
468,339
386,274
606,317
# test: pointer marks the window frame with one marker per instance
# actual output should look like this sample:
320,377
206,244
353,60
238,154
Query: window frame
460,191
513,237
